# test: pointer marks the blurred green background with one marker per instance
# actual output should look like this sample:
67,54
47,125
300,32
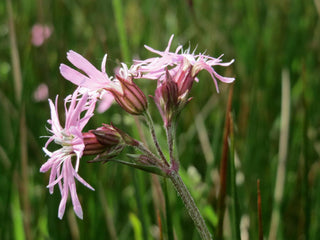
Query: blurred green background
275,45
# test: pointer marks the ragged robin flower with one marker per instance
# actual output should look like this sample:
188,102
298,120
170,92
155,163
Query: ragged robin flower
90,79
63,172
167,99
183,67
126,93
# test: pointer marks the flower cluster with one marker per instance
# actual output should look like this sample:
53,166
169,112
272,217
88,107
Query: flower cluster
39,34
174,72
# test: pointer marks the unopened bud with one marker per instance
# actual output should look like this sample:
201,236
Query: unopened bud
184,78
107,135
166,98
92,145
126,138
101,140
132,99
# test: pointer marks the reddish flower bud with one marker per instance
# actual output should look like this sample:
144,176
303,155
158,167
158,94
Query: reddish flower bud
183,77
107,135
101,140
166,98
126,138
131,99
92,145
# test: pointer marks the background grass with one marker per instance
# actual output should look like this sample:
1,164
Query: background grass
266,38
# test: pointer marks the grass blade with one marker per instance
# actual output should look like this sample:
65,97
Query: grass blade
259,210
283,149
223,169
168,211
234,195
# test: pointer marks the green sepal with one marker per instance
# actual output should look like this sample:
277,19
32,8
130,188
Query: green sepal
126,138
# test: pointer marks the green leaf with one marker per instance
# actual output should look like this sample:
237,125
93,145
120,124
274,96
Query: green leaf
136,224
150,169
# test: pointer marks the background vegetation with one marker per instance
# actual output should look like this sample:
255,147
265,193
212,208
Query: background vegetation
275,45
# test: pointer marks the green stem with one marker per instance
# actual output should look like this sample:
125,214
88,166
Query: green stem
259,211
154,137
190,205
118,14
168,211
138,184
283,153
170,131
305,144
234,195
223,169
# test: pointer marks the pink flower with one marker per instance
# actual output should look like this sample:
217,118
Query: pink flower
78,111
39,34
41,93
155,68
122,89
92,81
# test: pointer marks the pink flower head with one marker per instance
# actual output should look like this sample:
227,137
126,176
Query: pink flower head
91,80
39,34
155,68
41,93
78,111
96,82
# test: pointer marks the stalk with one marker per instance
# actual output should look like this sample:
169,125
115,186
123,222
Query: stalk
224,168
259,210
168,211
138,184
118,14
190,205
154,137
234,194
306,162
18,86
283,150
170,136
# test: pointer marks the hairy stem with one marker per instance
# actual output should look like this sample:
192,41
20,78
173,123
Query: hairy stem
170,131
154,137
190,205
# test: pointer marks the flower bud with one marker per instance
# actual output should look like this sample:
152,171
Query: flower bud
131,99
166,98
101,140
92,145
183,77
107,135
126,138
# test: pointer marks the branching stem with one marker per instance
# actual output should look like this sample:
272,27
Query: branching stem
154,137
